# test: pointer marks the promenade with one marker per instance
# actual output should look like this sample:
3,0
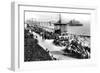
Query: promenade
54,50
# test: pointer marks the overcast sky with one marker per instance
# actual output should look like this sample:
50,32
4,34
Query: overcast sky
41,16
66,17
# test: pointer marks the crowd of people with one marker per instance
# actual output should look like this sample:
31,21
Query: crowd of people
42,32
75,45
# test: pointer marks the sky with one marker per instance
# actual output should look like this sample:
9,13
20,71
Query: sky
65,17
41,16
